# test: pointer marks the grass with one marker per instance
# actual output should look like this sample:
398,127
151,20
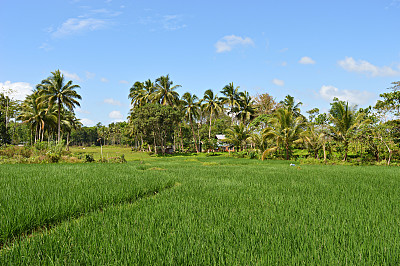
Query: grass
33,196
227,211
111,151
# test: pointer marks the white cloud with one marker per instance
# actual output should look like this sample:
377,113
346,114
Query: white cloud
79,25
87,122
305,60
365,67
352,96
79,110
104,80
115,115
124,82
284,63
71,75
112,101
278,82
90,75
227,43
16,90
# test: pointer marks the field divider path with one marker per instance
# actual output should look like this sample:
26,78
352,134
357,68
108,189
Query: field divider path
34,232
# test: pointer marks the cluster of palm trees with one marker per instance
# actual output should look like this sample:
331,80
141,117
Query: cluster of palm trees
260,123
49,110
238,105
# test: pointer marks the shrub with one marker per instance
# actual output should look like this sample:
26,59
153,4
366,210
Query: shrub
89,158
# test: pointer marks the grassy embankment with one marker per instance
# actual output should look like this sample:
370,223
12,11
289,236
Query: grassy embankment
225,211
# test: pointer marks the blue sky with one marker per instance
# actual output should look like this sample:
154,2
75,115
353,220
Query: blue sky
313,50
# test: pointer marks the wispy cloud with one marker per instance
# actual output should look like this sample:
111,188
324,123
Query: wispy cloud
74,26
45,46
173,22
87,122
165,22
71,75
90,75
278,82
112,101
227,43
16,90
305,60
104,80
124,82
352,96
365,67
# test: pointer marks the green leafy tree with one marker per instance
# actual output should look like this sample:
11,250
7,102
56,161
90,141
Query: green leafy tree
290,104
238,135
230,98
345,120
165,93
245,110
191,107
55,91
285,130
212,106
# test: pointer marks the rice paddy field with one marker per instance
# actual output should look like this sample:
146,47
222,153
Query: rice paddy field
199,210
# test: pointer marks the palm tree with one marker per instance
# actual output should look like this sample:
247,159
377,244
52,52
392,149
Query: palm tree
191,108
212,106
238,135
68,122
345,120
55,91
289,103
136,93
36,115
165,93
315,139
231,97
245,111
285,130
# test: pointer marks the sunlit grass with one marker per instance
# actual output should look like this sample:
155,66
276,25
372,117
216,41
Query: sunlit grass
235,211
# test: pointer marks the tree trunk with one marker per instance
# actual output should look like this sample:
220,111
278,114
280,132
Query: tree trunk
68,141
324,152
59,121
180,133
194,136
209,130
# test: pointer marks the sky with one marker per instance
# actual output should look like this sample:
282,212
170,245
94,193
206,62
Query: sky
313,50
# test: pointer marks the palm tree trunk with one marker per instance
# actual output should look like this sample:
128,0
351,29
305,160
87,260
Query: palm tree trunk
209,130
180,133
194,136
58,121
324,152
68,141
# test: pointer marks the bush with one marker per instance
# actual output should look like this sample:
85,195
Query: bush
253,155
89,158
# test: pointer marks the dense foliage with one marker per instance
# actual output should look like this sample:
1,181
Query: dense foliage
161,121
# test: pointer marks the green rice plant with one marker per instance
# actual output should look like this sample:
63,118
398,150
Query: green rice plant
241,212
33,196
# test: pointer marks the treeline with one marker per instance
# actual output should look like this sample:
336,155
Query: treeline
161,118
161,121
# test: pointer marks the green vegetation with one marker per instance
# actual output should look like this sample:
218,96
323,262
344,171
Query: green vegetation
221,211
33,196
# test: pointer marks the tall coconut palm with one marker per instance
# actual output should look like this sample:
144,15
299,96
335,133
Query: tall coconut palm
165,93
245,111
191,108
54,90
36,115
136,93
285,130
231,97
345,120
315,139
212,106
289,103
